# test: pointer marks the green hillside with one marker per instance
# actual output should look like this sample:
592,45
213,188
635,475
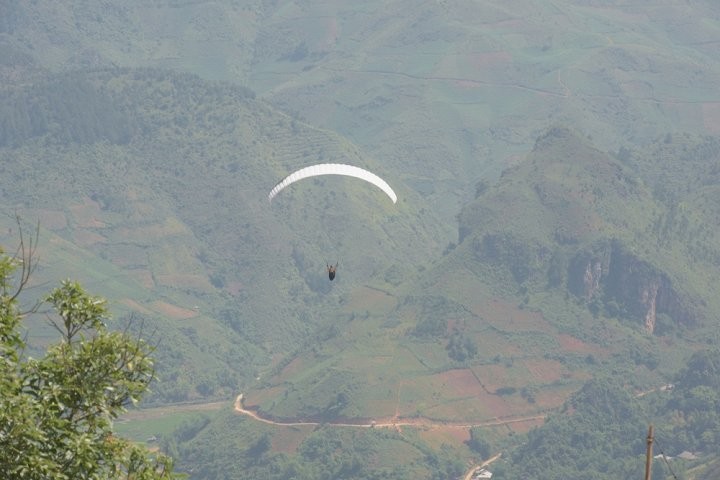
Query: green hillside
560,277
171,220
557,223
456,91
446,92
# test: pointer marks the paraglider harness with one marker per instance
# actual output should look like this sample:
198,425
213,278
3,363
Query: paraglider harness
331,270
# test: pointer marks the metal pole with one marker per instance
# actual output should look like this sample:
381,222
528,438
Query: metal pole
648,457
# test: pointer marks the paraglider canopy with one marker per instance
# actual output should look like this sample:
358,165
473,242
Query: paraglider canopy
333,169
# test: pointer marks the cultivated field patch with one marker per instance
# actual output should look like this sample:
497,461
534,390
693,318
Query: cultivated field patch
438,435
497,376
256,398
525,426
135,306
487,60
481,408
173,311
544,371
147,233
459,383
492,344
361,297
711,117
146,428
143,277
508,317
50,219
87,238
554,396
296,365
87,214
568,343
288,439
186,280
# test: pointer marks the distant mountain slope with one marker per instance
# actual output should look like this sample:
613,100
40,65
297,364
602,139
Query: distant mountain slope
590,223
163,179
558,275
561,277
451,92
522,258
456,90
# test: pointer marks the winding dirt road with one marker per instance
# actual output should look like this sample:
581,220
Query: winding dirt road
397,423
393,423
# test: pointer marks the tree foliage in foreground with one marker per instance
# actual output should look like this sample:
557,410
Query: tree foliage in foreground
56,412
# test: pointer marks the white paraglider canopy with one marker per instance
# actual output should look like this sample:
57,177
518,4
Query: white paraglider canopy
333,169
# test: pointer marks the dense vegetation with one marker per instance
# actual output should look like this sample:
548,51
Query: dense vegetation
601,433
146,206
446,332
523,258
69,110
246,451
57,411
537,266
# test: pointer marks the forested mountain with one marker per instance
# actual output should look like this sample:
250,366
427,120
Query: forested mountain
515,318
552,257
606,426
448,93
162,180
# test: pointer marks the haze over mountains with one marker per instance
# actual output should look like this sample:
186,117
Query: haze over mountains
558,215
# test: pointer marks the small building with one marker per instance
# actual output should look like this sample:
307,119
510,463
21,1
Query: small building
687,455
482,474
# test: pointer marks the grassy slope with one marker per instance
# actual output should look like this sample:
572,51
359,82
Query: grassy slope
458,110
532,339
527,333
446,93
453,91
174,222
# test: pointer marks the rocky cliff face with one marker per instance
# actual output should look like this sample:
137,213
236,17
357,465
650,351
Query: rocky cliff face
588,270
619,278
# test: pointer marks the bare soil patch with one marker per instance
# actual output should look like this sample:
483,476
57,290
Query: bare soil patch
364,296
568,343
544,371
508,317
441,435
136,306
87,214
460,383
711,117
86,238
485,60
50,219
254,399
143,277
173,310
291,438
193,281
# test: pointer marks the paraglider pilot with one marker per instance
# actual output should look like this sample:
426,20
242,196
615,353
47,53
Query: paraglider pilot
331,271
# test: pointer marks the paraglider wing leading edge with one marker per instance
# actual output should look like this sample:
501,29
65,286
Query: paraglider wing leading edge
334,169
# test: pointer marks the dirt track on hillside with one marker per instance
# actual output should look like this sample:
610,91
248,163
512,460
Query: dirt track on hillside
395,423
386,423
